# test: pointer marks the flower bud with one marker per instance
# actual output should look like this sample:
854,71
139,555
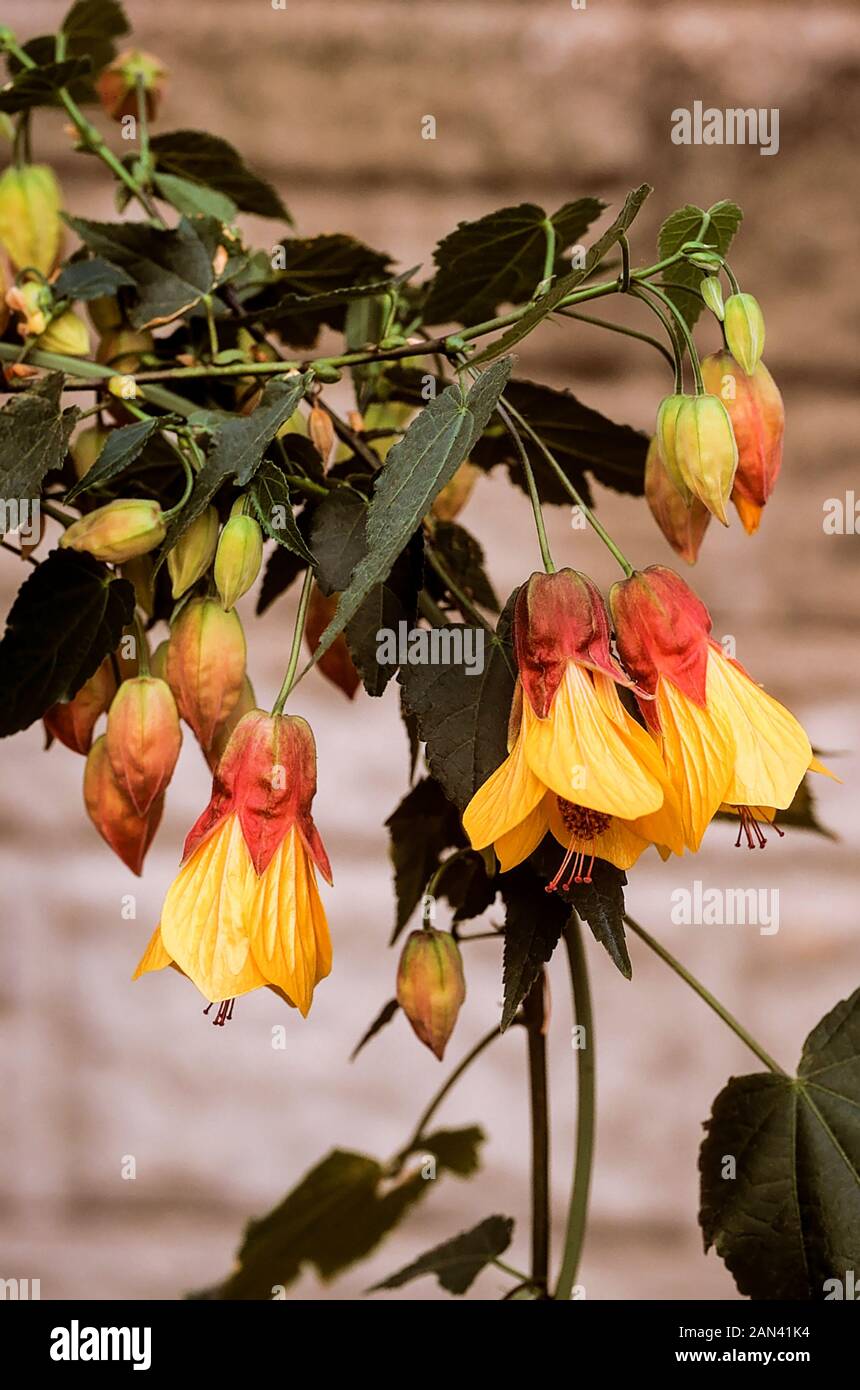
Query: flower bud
121,348
206,666
72,721
118,531
30,227
158,660
117,84
448,504
238,558
336,664
706,452
66,334
33,301
143,739
192,554
105,313
744,328
112,813
667,419
86,447
684,527
431,986
712,293
321,432
141,575
757,414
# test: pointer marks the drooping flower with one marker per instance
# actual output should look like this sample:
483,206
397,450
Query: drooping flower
578,764
757,414
244,910
723,738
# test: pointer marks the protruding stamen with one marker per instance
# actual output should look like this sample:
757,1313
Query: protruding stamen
751,829
224,1014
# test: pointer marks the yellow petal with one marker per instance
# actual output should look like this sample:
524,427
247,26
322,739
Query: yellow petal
772,751
289,936
584,756
664,826
203,923
507,797
818,766
154,957
517,844
698,750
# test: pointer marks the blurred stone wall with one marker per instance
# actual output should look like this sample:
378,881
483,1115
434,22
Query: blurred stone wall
532,101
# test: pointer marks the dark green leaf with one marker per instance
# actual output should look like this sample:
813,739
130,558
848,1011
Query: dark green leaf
458,1262
548,302
68,615
580,439
468,887
241,443
90,26
422,827
195,199
456,1151
122,447
270,498
338,538
90,279
683,225
207,159
788,1221
312,284
462,718
171,269
463,558
417,468
499,259
534,922
31,87
289,306
387,606
383,1018
34,437
283,568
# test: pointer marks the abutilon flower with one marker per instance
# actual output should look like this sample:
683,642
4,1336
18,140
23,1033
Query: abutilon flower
722,737
758,419
244,910
578,763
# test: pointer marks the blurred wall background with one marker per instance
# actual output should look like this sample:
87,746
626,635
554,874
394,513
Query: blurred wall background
532,101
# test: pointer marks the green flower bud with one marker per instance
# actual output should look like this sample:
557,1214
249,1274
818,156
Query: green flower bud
192,555
431,986
744,325
712,293
30,227
706,452
667,416
119,531
238,559
66,334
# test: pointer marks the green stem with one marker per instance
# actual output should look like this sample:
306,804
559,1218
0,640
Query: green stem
514,1273
549,259
210,324
706,995
685,334
533,1012
534,496
289,678
142,122
466,606
90,374
57,514
620,328
189,484
578,1210
677,358
572,491
418,1133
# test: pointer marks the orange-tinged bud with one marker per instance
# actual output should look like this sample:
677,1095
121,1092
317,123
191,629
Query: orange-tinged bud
192,554
683,526
246,702
105,313
122,348
66,334
744,328
238,558
757,414
321,432
448,504
143,739
118,531
86,447
112,813
661,628
206,666
140,573
431,986
706,452
117,84
336,664
560,618
667,419
30,227
72,721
